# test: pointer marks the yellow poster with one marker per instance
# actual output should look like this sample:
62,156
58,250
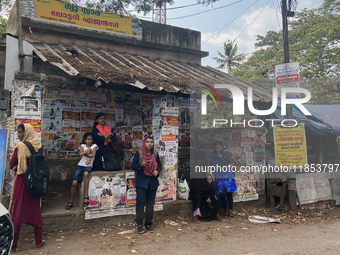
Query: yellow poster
290,146
80,16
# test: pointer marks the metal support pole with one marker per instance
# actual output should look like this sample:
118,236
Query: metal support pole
289,108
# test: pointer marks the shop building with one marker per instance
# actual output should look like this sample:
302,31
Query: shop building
139,77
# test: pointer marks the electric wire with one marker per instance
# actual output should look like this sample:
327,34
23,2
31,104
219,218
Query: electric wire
214,9
230,22
252,20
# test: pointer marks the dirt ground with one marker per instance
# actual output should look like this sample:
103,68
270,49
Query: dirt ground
310,232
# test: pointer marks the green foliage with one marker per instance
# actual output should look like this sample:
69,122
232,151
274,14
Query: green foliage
120,6
5,6
314,36
229,58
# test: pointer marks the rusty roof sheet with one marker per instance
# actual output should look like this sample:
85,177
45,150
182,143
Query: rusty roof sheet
139,71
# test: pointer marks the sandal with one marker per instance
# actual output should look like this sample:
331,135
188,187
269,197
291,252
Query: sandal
220,218
69,206
86,203
196,220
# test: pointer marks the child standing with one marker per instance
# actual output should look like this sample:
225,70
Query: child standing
87,151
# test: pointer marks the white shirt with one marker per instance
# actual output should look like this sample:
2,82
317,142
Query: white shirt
86,161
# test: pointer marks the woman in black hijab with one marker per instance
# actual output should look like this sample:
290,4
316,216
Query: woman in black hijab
206,201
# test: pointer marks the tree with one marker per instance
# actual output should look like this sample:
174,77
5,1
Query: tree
229,58
121,6
5,6
314,36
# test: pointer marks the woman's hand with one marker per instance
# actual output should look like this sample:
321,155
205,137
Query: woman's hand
208,200
144,163
99,134
155,173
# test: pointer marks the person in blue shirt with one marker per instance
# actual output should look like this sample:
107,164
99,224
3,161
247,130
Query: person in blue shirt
147,166
224,180
102,136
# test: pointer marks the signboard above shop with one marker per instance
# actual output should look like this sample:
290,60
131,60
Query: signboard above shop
60,12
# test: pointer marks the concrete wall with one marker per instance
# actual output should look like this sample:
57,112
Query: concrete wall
170,35
158,41
12,59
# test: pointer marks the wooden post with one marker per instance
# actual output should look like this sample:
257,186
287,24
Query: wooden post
21,52
321,138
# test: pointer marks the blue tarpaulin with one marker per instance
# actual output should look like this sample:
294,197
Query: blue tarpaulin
329,114
312,123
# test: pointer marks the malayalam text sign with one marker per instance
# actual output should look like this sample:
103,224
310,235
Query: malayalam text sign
80,16
287,76
290,146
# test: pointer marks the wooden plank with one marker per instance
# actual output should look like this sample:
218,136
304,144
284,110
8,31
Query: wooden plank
50,78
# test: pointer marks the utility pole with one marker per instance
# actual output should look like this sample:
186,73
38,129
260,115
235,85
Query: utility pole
286,12
21,52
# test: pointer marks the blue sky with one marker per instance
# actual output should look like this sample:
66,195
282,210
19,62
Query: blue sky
262,16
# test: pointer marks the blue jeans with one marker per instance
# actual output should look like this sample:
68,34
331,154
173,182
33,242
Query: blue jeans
78,175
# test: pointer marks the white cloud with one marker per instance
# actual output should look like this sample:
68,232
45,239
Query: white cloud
256,26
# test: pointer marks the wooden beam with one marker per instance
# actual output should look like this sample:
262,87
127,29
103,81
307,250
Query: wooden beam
50,78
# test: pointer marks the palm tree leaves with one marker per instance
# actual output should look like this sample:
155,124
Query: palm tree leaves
229,58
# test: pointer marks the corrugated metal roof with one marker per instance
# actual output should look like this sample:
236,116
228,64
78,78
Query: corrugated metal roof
139,71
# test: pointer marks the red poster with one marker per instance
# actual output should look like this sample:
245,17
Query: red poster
71,120
87,121
36,124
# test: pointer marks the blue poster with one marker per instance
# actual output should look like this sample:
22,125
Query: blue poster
3,145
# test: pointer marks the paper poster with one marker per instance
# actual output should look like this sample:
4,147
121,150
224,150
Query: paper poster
287,76
70,120
128,159
36,124
128,138
107,192
32,105
119,114
87,120
110,118
3,151
290,146
166,191
130,188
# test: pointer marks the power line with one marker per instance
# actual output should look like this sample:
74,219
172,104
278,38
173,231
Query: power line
252,21
177,7
230,22
182,17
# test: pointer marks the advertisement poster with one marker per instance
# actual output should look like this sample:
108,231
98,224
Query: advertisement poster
110,118
55,11
87,120
107,192
3,146
130,188
70,120
166,191
288,76
36,124
54,142
290,145
246,187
